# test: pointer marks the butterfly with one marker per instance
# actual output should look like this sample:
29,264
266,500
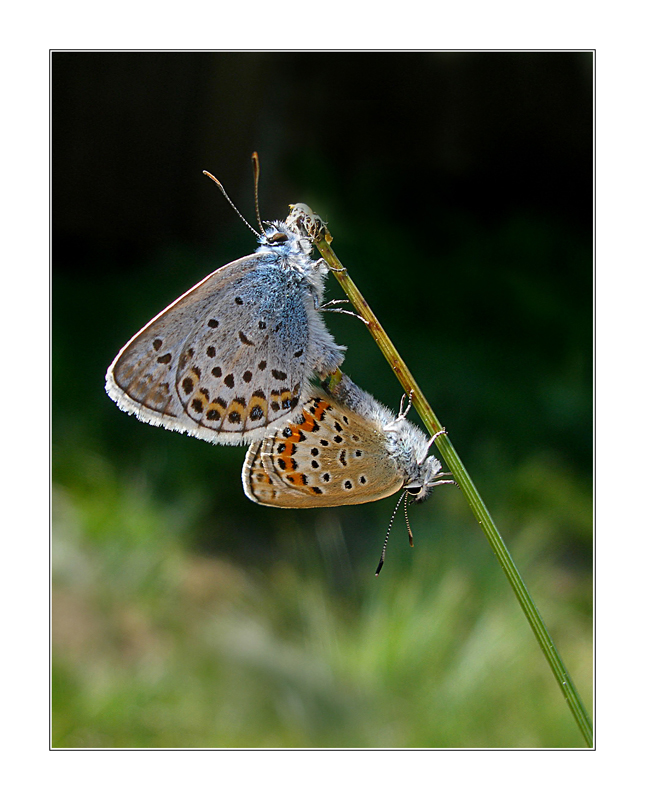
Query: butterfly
342,448
233,356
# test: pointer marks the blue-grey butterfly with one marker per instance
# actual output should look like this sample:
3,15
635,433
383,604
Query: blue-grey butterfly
232,357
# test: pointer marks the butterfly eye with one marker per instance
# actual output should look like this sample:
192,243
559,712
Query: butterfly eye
413,489
277,237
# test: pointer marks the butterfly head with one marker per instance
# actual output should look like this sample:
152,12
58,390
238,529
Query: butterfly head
291,243
410,448
278,238
421,483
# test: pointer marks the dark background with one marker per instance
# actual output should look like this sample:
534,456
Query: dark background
458,189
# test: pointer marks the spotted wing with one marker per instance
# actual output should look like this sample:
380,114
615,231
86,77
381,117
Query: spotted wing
224,361
327,456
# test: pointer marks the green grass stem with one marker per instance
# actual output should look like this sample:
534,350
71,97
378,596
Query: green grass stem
322,239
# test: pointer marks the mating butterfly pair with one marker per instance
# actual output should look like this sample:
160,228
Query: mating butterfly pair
230,361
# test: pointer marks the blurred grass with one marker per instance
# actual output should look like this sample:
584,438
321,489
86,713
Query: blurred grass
158,646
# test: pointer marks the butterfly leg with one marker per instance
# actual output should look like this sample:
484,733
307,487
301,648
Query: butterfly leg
333,303
344,311
403,414
442,432
442,483
322,263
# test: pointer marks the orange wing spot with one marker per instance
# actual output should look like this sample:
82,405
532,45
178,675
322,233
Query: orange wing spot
236,412
311,420
309,424
201,396
215,411
298,479
286,397
258,408
283,397
321,407
290,441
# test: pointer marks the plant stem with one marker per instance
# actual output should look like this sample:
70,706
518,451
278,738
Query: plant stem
451,458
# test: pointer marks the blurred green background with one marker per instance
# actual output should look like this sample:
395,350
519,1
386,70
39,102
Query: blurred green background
458,188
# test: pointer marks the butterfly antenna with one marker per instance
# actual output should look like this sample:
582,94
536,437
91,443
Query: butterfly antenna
233,206
256,181
407,521
387,535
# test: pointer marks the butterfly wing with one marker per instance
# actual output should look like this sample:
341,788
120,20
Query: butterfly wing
327,456
226,360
